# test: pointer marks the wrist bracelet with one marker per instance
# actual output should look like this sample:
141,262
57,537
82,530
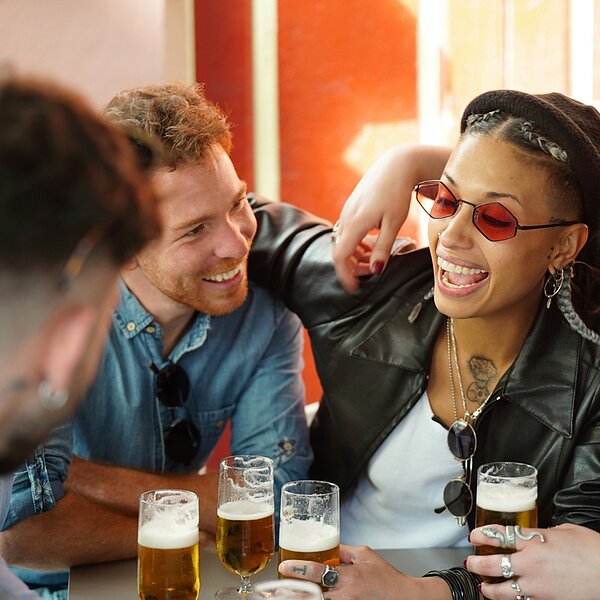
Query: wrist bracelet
463,584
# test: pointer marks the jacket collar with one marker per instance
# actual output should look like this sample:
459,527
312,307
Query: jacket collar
541,381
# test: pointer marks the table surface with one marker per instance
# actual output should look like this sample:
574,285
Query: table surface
118,580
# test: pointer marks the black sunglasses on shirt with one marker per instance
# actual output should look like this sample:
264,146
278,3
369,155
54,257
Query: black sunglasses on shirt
182,439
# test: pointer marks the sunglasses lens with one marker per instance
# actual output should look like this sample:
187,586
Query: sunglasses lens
462,440
495,222
172,385
458,498
437,201
182,441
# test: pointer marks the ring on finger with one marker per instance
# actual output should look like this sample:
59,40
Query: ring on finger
515,585
335,233
506,566
511,540
330,577
529,536
494,534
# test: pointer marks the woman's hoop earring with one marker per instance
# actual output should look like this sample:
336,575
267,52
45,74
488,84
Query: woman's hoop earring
553,285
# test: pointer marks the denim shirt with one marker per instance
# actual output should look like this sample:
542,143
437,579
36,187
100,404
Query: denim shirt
244,367
11,588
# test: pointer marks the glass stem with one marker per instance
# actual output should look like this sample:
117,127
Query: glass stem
245,588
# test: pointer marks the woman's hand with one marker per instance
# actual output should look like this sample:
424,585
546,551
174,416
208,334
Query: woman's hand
364,574
566,565
381,200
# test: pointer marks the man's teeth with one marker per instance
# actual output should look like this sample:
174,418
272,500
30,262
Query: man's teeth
452,268
224,276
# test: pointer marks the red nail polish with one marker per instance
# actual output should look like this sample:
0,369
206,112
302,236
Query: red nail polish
377,268
465,563
479,586
469,537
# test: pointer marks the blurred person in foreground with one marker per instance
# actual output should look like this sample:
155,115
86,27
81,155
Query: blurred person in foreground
192,348
74,207
482,347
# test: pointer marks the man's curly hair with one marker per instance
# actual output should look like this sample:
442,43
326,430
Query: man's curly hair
175,116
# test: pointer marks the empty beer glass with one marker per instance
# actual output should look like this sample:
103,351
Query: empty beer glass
287,589
310,522
168,557
506,495
245,527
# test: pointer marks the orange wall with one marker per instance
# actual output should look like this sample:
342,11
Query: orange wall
343,64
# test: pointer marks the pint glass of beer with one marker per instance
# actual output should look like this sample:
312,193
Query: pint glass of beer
168,558
245,524
506,495
287,589
310,522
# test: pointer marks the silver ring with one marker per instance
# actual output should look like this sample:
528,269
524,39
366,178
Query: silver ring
494,534
506,566
528,537
511,540
330,577
515,585
335,234
522,597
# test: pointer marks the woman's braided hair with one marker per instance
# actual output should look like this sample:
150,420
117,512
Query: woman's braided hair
575,298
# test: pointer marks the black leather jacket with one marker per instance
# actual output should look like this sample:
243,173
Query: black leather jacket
374,364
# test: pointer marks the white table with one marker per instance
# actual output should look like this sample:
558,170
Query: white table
117,580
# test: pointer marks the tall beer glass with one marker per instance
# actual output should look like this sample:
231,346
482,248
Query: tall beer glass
245,528
287,589
310,522
506,495
168,558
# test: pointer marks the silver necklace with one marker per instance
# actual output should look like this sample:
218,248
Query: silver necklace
453,354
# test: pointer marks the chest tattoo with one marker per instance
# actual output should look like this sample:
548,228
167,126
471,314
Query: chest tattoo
484,372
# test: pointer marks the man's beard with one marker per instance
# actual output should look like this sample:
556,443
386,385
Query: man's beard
192,291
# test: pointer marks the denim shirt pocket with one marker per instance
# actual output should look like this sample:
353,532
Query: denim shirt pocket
211,424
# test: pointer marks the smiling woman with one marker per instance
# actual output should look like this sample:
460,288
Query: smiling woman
452,384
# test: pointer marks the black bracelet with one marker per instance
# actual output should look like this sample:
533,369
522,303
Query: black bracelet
463,584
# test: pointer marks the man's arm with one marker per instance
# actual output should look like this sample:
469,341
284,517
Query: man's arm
98,522
76,531
119,488
269,418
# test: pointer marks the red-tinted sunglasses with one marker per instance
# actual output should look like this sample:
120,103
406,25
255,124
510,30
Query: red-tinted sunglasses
492,219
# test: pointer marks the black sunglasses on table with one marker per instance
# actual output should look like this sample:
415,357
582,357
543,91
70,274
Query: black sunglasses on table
492,219
182,439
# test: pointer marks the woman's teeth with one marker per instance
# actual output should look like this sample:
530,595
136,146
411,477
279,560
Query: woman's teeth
452,268
455,276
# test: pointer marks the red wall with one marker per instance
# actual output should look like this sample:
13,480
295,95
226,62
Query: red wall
342,64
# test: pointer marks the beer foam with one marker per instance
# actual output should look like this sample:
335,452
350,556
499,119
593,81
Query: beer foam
307,536
505,497
165,534
244,510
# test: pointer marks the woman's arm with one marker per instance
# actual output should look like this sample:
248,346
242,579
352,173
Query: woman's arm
364,574
381,200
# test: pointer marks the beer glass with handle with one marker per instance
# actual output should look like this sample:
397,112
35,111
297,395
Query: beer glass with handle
287,589
310,522
506,495
245,519
168,556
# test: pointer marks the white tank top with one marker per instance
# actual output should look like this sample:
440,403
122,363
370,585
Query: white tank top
393,504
